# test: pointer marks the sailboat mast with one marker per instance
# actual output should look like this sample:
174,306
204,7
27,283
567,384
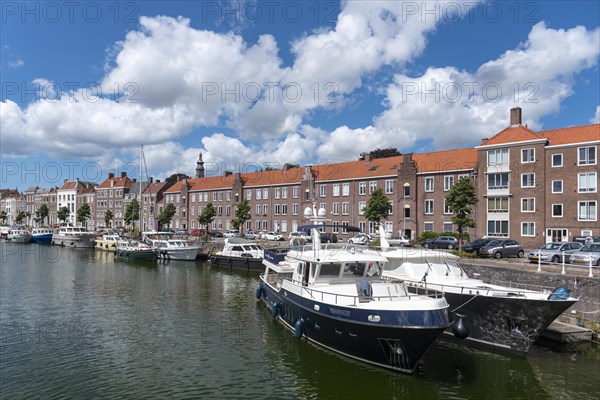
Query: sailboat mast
140,192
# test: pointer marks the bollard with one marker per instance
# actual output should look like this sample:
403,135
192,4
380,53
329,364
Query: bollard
539,261
590,275
563,262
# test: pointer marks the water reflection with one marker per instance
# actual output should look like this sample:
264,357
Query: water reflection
80,324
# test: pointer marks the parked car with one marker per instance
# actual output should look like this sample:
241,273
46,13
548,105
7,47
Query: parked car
231,234
215,234
272,236
361,238
502,248
583,255
475,245
198,232
553,252
586,239
441,242
251,235
399,241
181,231
300,235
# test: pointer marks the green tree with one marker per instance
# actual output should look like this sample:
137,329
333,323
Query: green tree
460,198
42,213
108,216
242,214
84,213
207,215
165,217
19,217
3,216
132,212
378,207
63,213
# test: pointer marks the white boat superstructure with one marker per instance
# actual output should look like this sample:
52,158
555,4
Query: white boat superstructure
42,235
19,234
108,242
169,248
334,295
504,317
74,236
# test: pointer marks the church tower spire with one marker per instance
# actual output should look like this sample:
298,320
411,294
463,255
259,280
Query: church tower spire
200,167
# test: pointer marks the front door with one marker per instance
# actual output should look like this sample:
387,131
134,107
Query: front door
557,235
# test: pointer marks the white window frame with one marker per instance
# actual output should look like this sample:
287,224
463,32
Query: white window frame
498,223
530,184
445,229
425,229
532,202
323,190
389,186
345,208
527,156
429,184
561,186
362,188
586,161
527,226
372,186
588,217
498,154
591,177
448,182
497,205
345,189
335,190
429,207
496,180
295,192
361,207
562,210
552,160
447,209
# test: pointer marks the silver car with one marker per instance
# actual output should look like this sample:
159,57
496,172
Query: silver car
553,252
582,257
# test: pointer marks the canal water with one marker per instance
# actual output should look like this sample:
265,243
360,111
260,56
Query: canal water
77,324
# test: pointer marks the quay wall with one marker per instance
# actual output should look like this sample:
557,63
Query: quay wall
526,276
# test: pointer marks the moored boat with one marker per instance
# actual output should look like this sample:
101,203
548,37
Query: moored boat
168,248
108,242
42,235
19,234
335,297
239,253
502,317
74,236
134,250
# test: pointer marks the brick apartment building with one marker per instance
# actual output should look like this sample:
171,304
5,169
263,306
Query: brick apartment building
110,196
532,186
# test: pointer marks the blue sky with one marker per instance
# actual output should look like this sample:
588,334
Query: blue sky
246,82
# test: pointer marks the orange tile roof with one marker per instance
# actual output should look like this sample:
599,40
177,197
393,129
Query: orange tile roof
446,160
512,134
119,183
154,187
69,185
575,134
211,182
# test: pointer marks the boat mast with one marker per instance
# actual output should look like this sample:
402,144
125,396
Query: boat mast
140,192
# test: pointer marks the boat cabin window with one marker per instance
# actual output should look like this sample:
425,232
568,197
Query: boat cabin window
329,270
353,269
374,269
237,248
313,269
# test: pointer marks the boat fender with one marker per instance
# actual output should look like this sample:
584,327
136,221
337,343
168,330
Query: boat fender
258,292
298,328
460,329
275,309
560,293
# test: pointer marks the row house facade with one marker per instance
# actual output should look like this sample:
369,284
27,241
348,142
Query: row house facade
12,202
35,197
153,203
110,196
67,196
532,186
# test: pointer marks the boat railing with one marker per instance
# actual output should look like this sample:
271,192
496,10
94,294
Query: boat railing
525,286
354,300
482,290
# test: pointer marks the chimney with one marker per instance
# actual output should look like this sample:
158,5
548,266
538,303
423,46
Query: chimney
134,180
515,116
158,181
367,158
407,158
485,139
151,180
111,175
123,174
227,173
66,180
